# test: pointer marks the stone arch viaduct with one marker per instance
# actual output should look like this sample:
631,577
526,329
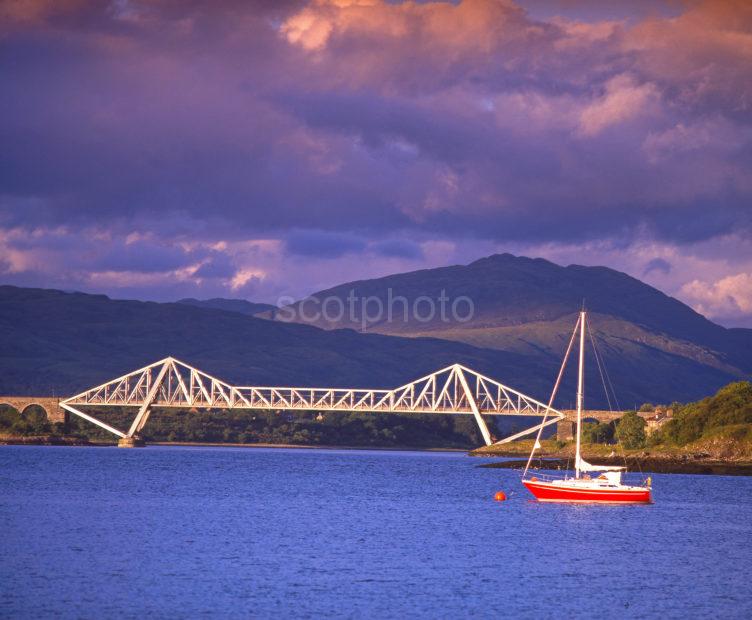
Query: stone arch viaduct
51,405
566,427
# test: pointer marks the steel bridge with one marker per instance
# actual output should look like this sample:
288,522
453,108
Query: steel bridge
453,390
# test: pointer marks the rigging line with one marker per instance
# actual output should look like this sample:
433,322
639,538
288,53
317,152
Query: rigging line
605,371
553,393
602,362
600,369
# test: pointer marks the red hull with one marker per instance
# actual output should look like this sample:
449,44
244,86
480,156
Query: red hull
547,492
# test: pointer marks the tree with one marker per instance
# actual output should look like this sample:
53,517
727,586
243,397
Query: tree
630,431
603,433
598,432
36,416
8,417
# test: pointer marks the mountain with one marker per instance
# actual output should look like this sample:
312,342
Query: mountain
241,306
61,343
654,347
651,343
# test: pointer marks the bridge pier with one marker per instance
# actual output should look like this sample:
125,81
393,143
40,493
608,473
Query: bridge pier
131,442
565,430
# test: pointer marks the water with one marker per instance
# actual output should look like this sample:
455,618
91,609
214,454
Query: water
184,532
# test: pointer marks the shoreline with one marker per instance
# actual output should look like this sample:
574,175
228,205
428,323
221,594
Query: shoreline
671,460
76,442
297,446
653,463
46,440
646,465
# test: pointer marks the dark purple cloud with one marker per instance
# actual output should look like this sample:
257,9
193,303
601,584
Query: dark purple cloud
323,244
141,256
399,248
657,264
218,265
233,139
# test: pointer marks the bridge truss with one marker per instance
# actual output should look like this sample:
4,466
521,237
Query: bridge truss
171,383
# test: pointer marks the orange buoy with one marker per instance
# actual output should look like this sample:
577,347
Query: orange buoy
500,497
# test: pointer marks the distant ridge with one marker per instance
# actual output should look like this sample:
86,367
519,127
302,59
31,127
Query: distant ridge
56,343
240,306
528,305
510,290
656,349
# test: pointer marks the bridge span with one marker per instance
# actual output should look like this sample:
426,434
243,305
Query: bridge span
454,390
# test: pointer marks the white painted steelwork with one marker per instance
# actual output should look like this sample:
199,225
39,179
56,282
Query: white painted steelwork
172,383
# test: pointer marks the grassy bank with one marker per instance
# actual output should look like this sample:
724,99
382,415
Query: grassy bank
641,464
44,440
713,435
731,444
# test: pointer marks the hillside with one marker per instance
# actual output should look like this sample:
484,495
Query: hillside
656,348
712,435
720,424
240,306
652,343
59,343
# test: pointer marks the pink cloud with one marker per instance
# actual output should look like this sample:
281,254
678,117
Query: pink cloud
410,44
29,11
705,53
623,100
729,297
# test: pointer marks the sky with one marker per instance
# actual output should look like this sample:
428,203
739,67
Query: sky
159,149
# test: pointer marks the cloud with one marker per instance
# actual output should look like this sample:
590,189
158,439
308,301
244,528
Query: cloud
246,282
240,116
323,244
218,265
657,265
701,56
399,248
715,139
141,257
459,28
343,128
624,99
307,29
34,11
729,298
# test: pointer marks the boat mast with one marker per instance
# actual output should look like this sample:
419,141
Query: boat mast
580,394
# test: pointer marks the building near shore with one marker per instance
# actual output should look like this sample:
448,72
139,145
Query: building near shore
658,419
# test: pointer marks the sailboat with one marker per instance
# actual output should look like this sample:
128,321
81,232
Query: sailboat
591,483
